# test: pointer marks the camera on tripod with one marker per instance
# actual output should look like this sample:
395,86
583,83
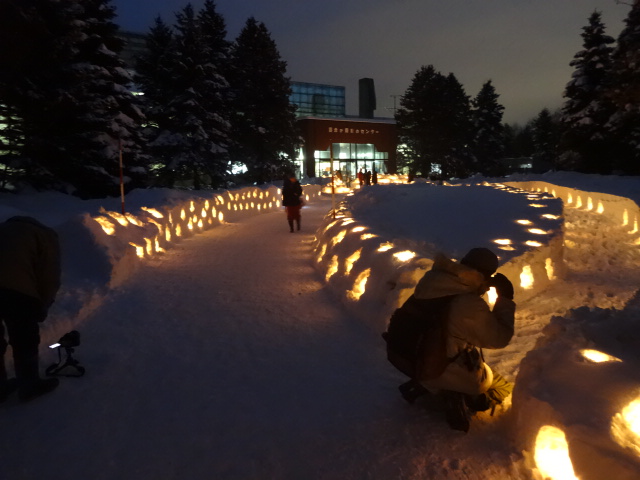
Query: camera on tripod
67,342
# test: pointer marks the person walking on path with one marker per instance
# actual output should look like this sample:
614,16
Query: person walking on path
292,200
29,282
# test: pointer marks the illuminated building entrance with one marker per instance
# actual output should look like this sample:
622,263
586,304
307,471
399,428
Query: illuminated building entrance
367,144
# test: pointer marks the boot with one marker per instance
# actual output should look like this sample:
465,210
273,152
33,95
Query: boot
30,385
298,224
290,225
35,388
456,412
411,390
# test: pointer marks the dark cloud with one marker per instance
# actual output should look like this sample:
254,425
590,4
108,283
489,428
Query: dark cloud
523,46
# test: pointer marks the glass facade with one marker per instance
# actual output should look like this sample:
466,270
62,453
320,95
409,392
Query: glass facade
349,158
316,100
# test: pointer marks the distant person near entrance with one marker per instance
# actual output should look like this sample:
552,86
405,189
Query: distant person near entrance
292,200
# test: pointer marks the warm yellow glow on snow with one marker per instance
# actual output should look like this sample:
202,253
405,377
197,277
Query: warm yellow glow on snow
537,205
359,285
537,231
385,247
532,243
323,250
552,454
351,259
625,426
153,212
597,356
526,277
139,249
338,238
579,202
405,255
524,222
548,265
492,296
332,268
358,229
550,216
625,218
107,226
366,236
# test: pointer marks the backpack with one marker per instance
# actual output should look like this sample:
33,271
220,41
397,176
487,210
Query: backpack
416,337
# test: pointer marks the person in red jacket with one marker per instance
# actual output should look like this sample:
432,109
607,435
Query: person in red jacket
29,282
292,200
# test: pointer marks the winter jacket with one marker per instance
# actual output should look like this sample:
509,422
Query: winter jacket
30,259
471,323
291,193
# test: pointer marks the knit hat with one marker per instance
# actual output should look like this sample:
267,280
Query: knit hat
481,259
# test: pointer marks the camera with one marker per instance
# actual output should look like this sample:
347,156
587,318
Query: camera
68,340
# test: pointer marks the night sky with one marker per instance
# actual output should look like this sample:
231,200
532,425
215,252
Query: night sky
523,46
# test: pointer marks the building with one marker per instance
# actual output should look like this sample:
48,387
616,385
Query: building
333,141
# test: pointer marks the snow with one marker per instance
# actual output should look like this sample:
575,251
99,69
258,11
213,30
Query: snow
234,355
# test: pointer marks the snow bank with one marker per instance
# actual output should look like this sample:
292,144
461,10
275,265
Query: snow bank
101,247
368,257
570,416
579,391
149,231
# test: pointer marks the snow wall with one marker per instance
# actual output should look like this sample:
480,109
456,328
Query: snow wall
573,421
580,420
374,272
108,245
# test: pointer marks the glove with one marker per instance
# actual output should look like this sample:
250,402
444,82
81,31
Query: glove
503,286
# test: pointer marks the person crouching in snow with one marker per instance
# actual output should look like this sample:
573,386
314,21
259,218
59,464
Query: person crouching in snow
467,384
291,200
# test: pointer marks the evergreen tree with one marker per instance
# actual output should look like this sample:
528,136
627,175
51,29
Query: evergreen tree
107,116
218,99
264,124
186,91
518,140
488,143
584,145
624,92
434,125
68,93
33,82
545,131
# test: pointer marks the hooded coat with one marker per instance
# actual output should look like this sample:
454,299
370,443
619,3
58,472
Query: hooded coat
29,259
471,323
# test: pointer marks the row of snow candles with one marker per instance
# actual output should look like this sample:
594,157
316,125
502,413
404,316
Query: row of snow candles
383,179
193,217
526,276
552,452
551,448
575,200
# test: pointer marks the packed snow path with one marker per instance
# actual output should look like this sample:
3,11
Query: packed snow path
227,359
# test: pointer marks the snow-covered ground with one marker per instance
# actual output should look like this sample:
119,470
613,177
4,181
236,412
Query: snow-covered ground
233,354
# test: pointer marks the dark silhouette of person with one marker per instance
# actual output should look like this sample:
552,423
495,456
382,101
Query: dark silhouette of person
292,200
29,282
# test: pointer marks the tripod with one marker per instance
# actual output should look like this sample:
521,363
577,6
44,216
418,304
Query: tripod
56,368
